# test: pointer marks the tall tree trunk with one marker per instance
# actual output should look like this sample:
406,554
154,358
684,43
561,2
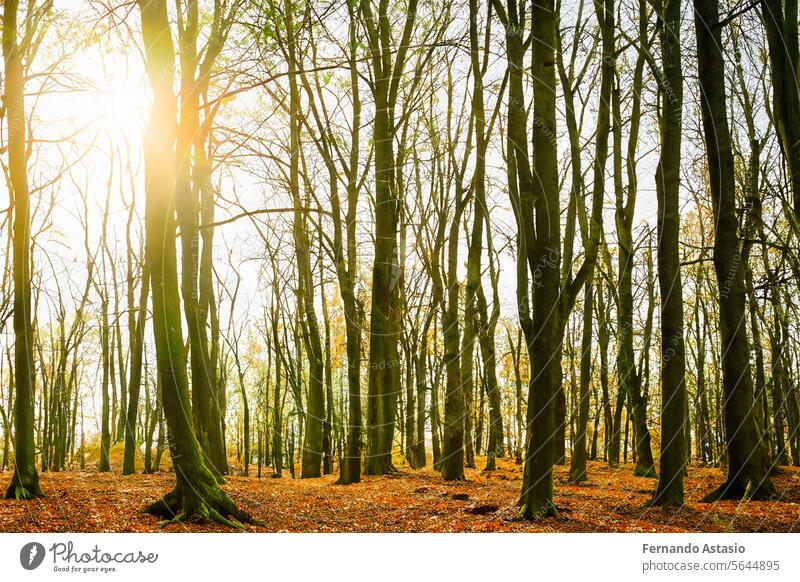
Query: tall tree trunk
277,401
760,387
315,416
192,170
703,417
747,466
246,436
327,427
435,419
384,370
454,406
610,435
196,490
106,357
347,272
494,446
673,364
629,382
539,219
25,481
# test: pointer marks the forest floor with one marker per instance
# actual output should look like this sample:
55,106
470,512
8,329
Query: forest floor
612,500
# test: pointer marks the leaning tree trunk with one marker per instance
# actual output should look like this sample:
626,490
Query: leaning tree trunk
25,481
196,490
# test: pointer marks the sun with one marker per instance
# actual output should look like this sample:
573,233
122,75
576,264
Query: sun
121,111
114,96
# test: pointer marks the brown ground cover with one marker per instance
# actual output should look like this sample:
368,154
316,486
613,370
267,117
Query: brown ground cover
410,501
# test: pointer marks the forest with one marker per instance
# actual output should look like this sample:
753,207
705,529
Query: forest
408,265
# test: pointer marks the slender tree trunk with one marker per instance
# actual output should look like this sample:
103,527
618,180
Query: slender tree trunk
25,481
327,427
673,387
494,447
137,355
629,382
246,436
421,372
315,416
106,356
703,416
277,406
435,419
577,470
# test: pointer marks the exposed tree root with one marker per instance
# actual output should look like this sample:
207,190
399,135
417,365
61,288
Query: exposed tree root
24,489
179,505
166,507
741,489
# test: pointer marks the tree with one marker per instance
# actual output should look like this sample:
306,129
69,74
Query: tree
672,461
106,350
748,467
135,384
629,381
577,470
312,443
780,22
455,410
605,16
25,481
384,364
535,199
194,204
345,223
196,490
